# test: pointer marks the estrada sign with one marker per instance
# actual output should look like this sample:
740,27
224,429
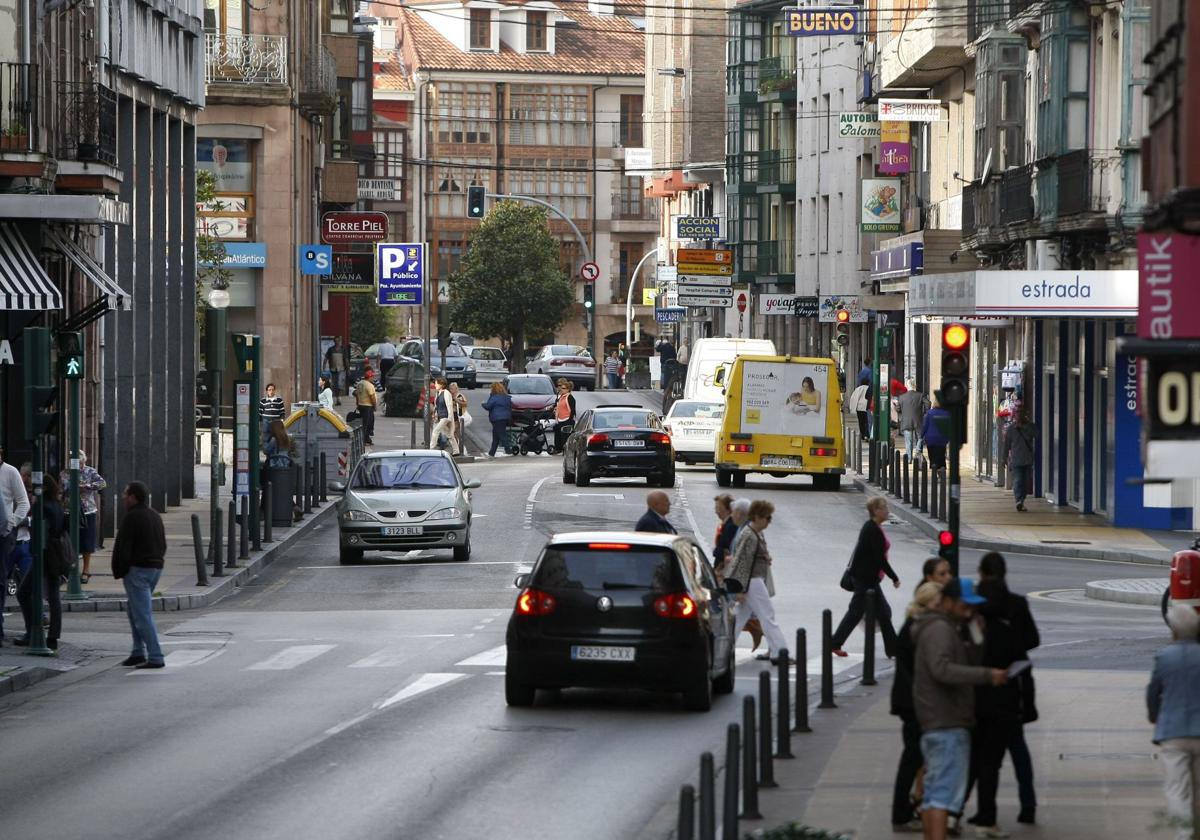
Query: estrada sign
400,274
342,227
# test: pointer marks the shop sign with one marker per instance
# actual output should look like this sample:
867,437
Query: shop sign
343,227
830,304
898,261
243,255
880,210
639,161
6,353
776,304
854,124
895,149
1169,264
1105,294
838,20
910,110
352,272
697,227
377,189
229,163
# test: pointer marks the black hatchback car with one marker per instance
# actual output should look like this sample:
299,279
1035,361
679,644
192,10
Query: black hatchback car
619,441
605,609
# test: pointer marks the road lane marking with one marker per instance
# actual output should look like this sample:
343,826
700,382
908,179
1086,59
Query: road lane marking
489,658
290,657
388,657
182,659
687,509
529,502
423,683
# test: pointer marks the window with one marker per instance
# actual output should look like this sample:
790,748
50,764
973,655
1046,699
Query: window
447,185
481,29
631,255
224,16
564,182
824,224
1000,104
463,113
549,115
389,154
449,258
631,120
631,202
535,31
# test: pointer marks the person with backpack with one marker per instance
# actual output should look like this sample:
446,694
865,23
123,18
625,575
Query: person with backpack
56,564
1018,451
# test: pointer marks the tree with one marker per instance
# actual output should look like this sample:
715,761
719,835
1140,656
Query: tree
369,322
510,283
210,251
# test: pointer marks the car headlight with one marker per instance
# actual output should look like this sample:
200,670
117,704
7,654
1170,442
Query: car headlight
358,516
470,366
446,513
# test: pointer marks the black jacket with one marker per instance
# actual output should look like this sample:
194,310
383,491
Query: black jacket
870,558
1001,648
141,541
1016,610
651,521
902,683
724,541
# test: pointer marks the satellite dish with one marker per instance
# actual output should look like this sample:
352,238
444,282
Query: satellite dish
987,169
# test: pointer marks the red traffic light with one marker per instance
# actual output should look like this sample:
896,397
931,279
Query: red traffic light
955,336
945,538
843,316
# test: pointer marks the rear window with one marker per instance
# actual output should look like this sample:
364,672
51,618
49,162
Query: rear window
487,354
568,350
699,411
454,351
624,419
585,568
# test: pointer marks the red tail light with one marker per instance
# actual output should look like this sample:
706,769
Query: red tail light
659,437
739,447
557,362
676,605
596,439
589,363
535,602
822,451
608,546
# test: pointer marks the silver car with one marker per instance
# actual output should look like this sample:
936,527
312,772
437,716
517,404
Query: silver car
402,500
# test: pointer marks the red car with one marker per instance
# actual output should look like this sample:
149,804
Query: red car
531,392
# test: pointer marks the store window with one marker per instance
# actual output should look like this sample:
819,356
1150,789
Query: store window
231,214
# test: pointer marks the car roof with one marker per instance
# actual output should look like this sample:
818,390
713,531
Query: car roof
641,538
406,453
529,376
622,407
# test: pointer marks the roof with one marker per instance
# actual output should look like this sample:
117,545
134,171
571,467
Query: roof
390,75
598,45
635,537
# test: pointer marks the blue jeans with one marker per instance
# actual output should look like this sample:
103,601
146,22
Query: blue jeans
1021,482
912,443
139,588
614,380
947,764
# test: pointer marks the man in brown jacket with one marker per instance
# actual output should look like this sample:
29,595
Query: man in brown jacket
137,561
944,677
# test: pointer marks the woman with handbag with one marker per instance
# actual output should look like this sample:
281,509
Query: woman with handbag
868,566
749,572
462,417
56,565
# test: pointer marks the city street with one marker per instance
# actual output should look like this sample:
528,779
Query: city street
367,701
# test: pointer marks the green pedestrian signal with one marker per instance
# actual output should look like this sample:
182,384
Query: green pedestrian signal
70,355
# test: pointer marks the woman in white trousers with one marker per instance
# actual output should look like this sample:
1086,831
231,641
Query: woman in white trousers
751,568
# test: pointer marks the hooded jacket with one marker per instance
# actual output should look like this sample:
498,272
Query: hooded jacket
944,674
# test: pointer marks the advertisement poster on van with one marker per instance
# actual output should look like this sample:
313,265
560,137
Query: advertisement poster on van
784,398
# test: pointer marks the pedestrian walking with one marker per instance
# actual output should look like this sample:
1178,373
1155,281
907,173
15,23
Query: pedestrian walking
90,485
868,566
498,405
15,508
1171,701
912,407
945,671
387,358
936,570
19,560
726,529
667,361
335,363
460,413
905,816
992,567
612,370
658,505
137,561
859,403
1019,443
739,515
933,439
325,393
56,564
444,408
864,373
270,407
751,569
365,401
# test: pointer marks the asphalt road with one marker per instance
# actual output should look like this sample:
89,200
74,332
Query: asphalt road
367,701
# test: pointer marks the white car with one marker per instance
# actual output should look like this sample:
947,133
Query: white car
489,363
693,427
565,361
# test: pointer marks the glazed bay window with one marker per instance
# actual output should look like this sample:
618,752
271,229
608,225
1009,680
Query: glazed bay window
463,113
1000,104
449,185
565,183
549,115
481,29
535,31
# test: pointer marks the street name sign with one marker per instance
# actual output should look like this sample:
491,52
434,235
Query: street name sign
669,315
705,280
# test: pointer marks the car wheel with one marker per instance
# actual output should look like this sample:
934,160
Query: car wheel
462,553
698,696
667,480
517,693
350,556
582,479
724,683
723,477
739,478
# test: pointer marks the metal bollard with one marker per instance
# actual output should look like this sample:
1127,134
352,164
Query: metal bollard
231,536
896,473
198,547
256,537
324,482
307,489
268,512
749,763
904,486
923,487
766,763
686,829
214,546
802,681
872,463
868,673
936,495
298,481
944,501
412,434
244,529
729,808
784,729
708,805
827,660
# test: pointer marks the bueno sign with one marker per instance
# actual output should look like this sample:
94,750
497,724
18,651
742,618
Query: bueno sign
339,228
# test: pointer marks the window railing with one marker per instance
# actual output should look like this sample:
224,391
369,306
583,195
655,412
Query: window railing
1080,183
246,59
633,206
87,122
777,166
1016,195
18,107
318,82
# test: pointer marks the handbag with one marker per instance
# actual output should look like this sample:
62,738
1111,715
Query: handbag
847,582
466,418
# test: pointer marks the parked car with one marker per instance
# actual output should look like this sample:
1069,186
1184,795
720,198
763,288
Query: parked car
565,361
693,427
490,363
608,609
463,339
456,366
617,441
531,392
404,499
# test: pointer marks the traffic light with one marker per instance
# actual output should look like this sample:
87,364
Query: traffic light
589,296
39,390
956,364
70,355
842,330
948,549
475,202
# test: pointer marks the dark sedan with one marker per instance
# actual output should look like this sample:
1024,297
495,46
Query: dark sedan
621,610
619,441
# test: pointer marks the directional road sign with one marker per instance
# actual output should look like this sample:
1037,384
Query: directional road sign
705,291
589,271
315,259
669,315
400,273
704,268
694,300
704,255
704,280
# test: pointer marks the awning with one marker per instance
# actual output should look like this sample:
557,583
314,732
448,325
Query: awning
24,284
114,296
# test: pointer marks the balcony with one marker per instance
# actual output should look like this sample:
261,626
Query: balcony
1016,196
777,75
632,212
775,259
928,49
777,171
18,107
318,81
1080,187
238,59
969,194
87,123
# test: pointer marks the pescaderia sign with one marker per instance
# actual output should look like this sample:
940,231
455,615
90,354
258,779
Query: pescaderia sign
836,20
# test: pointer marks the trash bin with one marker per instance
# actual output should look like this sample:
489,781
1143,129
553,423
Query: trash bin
283,488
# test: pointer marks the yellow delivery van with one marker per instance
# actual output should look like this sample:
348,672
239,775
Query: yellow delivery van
783,416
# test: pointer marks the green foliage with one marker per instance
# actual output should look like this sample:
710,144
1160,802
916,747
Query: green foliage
510,284
369,322
795,831
210,251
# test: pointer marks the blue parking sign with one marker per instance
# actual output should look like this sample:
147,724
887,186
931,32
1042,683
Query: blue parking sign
315,259
400,273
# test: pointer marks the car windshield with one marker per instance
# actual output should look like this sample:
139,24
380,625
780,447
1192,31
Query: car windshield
698,410
622,420
531,385
569,350
403,471
584,568
454,350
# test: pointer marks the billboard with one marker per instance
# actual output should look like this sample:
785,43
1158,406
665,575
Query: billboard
880,210
784,398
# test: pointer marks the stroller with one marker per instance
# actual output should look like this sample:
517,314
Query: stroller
527,433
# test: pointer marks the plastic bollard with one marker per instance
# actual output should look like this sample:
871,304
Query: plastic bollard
868,672
749,763
766,762
198,546
729,807
783,730
708,805
802,681
827,661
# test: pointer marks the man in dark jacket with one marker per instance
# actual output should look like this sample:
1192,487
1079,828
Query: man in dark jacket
137,561
658,505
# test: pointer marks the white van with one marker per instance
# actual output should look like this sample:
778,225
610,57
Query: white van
708,354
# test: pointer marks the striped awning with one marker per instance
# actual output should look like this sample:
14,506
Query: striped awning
24,284
114,295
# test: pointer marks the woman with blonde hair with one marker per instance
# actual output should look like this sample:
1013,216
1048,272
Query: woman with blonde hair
750,566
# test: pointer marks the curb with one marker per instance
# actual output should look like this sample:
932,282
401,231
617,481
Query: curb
931,528
24,678
1110,590
217,588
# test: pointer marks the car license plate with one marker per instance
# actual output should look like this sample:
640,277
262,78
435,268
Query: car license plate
403,530
602,654
453,374
782,461
629,444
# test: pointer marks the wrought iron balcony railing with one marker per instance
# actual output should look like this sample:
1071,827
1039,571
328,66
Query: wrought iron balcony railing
87,122
1016,195
318,83
246,59
18,107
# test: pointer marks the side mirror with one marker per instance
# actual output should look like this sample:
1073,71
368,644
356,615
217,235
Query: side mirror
719,377
337,486
521,581
473,483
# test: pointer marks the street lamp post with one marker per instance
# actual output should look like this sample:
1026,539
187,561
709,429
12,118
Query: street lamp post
629,298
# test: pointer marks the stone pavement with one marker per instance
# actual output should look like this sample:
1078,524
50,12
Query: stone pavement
1147,591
